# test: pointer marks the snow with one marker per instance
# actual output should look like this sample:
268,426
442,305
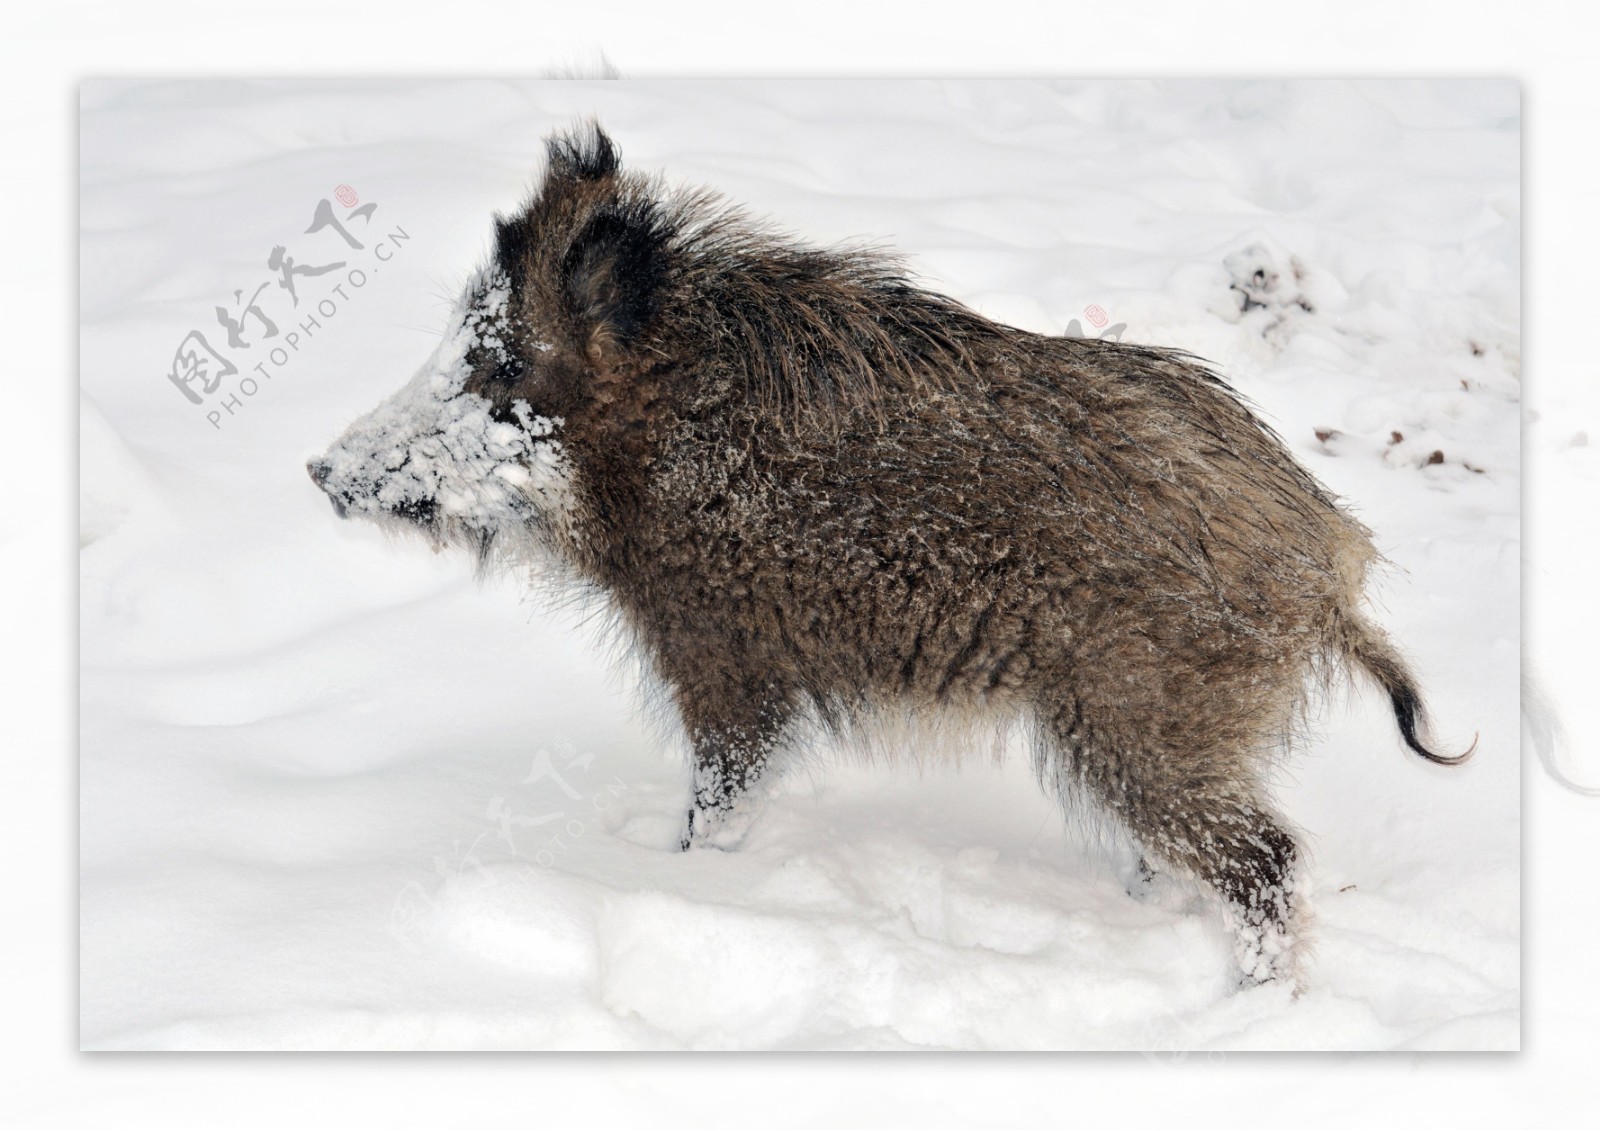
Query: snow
335,793
435,443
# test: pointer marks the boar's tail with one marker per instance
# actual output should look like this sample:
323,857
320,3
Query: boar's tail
1366,646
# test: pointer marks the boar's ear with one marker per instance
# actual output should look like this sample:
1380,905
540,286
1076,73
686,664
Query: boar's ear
585,154
613,277
513,245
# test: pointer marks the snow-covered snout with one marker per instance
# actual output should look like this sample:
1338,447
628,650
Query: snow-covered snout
459,454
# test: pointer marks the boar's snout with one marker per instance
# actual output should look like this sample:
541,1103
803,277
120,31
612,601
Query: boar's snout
319,470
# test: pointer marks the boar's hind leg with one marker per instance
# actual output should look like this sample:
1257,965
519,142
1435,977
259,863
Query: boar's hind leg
734,735
1202,814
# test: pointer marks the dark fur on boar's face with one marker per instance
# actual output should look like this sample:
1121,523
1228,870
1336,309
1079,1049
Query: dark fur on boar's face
814,492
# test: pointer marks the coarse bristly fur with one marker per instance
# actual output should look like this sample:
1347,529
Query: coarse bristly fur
811,489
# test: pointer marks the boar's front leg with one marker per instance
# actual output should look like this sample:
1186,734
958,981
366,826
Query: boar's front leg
735,727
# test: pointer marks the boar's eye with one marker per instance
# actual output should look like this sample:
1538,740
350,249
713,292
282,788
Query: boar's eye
508,371
495,364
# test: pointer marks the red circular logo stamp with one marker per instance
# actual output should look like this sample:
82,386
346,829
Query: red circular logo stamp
1096,316
347,197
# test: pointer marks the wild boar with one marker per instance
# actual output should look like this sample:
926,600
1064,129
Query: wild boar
816,493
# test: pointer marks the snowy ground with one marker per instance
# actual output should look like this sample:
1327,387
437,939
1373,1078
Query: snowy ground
336,795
